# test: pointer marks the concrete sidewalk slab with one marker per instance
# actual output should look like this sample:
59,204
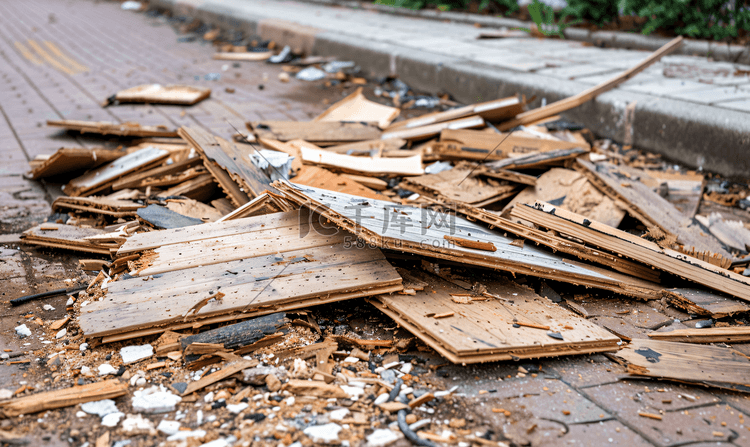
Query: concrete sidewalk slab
685,117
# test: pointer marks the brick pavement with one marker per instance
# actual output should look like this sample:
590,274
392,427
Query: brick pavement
568,401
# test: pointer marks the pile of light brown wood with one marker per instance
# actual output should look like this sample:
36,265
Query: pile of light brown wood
199,235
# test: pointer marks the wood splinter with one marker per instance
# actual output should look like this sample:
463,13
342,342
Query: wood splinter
467,243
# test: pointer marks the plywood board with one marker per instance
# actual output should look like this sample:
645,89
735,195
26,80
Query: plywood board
314,131
163,94
66,237
705,302
431,130
102,177
636,248
497,110
460,185
644,204
128,129
232,167
705,335
390,147
572,248
250,56
422,231
485,146
73,159
571,190
97,205
687,362
483,330
256,282
362,165
357,108
533,160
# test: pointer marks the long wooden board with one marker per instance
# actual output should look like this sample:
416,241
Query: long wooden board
649,207
424,132
533,160
325,179
404,228
705,335
102,177
128,129
685,362
496,110
67,237
314,131
362,165
705,302
591,93
458,184
232,167
97,205
483,330
633,247
163,94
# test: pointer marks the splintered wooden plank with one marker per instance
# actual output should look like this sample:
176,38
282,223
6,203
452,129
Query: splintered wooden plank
485,146
102,177
592,92
572,191
483,330
155,239
314,131
424,132
496,110
705,335
649,207
106,389
533,160
422,231
68,160
67,237
704,302
636,248
250,56
139,179
373,166
232,167
557,243
266,203
97,205
128,129
357,108
163,94
458,184
687,362
325,179
257,285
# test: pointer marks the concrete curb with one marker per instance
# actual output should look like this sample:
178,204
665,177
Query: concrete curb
615,39
692,134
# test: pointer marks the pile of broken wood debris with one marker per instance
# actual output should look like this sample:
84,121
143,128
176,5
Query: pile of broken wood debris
211,252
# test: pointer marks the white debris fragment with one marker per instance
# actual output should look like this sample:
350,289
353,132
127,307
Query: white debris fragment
69,302
236,409
154,400
4,356
168,427
183,435
208,398
83,347
351,360
132,354
106,369
323,433
406,369
5,394
221,442
131,5
61,333
23,331
81,414
337,415
137,423
419,424
353,391
383,437
445,393
112,419
48,307
100,408
383,398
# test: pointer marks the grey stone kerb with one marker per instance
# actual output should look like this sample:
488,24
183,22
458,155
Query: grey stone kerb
693,134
